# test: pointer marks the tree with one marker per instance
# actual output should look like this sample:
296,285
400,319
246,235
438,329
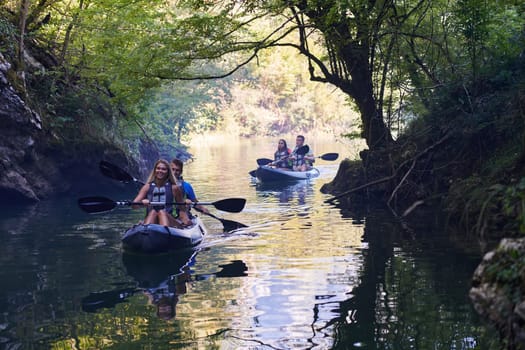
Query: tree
377,52
349,32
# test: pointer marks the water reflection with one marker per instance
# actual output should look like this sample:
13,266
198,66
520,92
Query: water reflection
162,279
295,192
313,275
404,275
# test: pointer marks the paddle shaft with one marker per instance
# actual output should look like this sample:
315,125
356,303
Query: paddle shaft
326,156
161,203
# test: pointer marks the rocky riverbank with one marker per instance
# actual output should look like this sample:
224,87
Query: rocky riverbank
31,167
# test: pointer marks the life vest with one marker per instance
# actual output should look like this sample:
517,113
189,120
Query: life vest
299,158
161,194
278,157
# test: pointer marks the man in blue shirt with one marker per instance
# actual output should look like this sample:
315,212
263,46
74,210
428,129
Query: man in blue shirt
176,167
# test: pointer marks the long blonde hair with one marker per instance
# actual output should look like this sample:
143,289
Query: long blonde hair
170,177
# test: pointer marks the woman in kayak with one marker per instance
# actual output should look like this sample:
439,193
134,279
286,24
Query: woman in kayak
281,155
161,189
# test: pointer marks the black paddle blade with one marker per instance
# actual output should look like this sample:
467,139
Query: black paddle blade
329,156
114,172
96,204
232,205
263,161
230,225
109,299
303,150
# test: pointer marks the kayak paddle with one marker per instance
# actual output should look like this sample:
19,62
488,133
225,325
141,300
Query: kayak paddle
329,156
114,172
266,161
107,299
228,225
301,150
97,204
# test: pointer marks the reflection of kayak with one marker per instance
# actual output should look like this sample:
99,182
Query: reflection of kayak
149,271
267,173
284,186
155,239
152,271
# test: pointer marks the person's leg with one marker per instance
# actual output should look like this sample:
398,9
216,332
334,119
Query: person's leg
151,218
163,218
184,217
175,222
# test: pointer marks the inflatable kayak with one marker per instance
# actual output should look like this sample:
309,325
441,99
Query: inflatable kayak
156,239
267,173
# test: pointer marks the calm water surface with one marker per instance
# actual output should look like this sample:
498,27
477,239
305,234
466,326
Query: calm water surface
304,275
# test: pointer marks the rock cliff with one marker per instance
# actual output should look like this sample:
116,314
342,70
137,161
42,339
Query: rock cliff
31,169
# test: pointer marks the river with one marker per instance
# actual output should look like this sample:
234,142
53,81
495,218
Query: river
302,275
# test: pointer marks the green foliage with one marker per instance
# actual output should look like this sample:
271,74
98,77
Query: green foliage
490,31
507,269
513,203
420,55
7,37
172,111
75,114
276,97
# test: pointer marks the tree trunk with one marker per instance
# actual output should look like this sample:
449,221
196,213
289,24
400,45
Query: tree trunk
375,131
20,65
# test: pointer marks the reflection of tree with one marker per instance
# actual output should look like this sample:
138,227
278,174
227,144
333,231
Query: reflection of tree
415,297
356,323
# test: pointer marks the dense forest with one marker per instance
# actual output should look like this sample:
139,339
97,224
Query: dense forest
434,88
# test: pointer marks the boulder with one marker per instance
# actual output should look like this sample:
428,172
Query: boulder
498,291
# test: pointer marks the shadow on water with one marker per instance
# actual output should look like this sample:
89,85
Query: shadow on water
162,279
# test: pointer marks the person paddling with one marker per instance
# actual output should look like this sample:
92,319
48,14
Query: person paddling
176,167
281,155
301,162
161,188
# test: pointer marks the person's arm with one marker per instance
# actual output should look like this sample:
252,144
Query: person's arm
193,197
202,208
310,157
141,196
179,198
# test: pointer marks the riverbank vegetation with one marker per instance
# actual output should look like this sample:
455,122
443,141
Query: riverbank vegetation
435,88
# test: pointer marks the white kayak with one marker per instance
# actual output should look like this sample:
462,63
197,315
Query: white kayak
267,173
